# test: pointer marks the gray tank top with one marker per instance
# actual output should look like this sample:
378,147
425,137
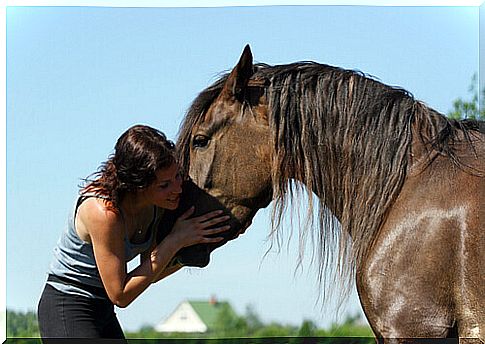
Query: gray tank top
74,258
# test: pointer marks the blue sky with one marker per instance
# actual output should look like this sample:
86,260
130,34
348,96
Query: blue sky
77,77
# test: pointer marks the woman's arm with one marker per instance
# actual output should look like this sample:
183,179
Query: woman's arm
107,235
170,269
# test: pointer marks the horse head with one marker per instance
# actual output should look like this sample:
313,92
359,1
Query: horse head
230,147
225,151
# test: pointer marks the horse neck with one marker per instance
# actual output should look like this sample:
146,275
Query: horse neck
425,129
354,162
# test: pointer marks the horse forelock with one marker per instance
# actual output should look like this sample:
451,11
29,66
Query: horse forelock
192,118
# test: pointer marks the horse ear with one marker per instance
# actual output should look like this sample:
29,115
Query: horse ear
240,75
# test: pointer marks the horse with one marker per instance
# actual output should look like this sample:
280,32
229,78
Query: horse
396,186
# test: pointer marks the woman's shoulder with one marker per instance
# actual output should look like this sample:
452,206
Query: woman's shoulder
95,212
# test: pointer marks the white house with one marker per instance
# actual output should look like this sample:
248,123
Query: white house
193,316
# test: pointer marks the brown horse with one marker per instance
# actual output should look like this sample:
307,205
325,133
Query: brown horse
399,187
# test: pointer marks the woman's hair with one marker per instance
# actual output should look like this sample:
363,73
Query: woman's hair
139,153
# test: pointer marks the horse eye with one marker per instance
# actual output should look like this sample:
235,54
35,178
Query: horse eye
200,141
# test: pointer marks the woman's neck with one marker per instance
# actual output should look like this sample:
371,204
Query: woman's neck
134,204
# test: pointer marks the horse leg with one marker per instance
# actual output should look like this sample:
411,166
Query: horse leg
470,289
423,275
396,319
427,286
471,319
406,283
469,284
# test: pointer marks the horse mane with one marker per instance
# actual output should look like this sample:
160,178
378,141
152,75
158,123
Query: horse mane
345,137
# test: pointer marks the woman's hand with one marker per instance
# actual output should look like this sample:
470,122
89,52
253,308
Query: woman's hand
188,232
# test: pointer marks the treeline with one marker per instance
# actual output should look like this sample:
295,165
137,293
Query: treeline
470,108
231,325
228,325
22,324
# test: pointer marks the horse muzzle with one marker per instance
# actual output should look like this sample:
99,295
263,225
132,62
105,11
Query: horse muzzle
199,255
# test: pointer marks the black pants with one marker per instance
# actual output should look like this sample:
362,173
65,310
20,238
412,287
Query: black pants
63,315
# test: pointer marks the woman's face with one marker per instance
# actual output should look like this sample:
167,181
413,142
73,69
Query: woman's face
165,191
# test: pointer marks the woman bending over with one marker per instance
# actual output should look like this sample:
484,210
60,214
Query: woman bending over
115,219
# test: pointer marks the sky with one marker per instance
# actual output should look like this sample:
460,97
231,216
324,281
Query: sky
77,77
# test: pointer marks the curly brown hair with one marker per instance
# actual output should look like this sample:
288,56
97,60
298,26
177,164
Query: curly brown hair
139,153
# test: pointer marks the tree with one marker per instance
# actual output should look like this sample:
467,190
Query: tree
20,324
229,324
253,321
276,330
469,108
352,326
307,329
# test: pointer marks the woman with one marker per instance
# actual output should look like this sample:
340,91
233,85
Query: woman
114,220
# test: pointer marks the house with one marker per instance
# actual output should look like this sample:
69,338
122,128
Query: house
194,316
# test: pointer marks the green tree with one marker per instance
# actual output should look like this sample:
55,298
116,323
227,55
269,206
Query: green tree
253,321
229,324
20,324
307,329
469,108
352,326
276,330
